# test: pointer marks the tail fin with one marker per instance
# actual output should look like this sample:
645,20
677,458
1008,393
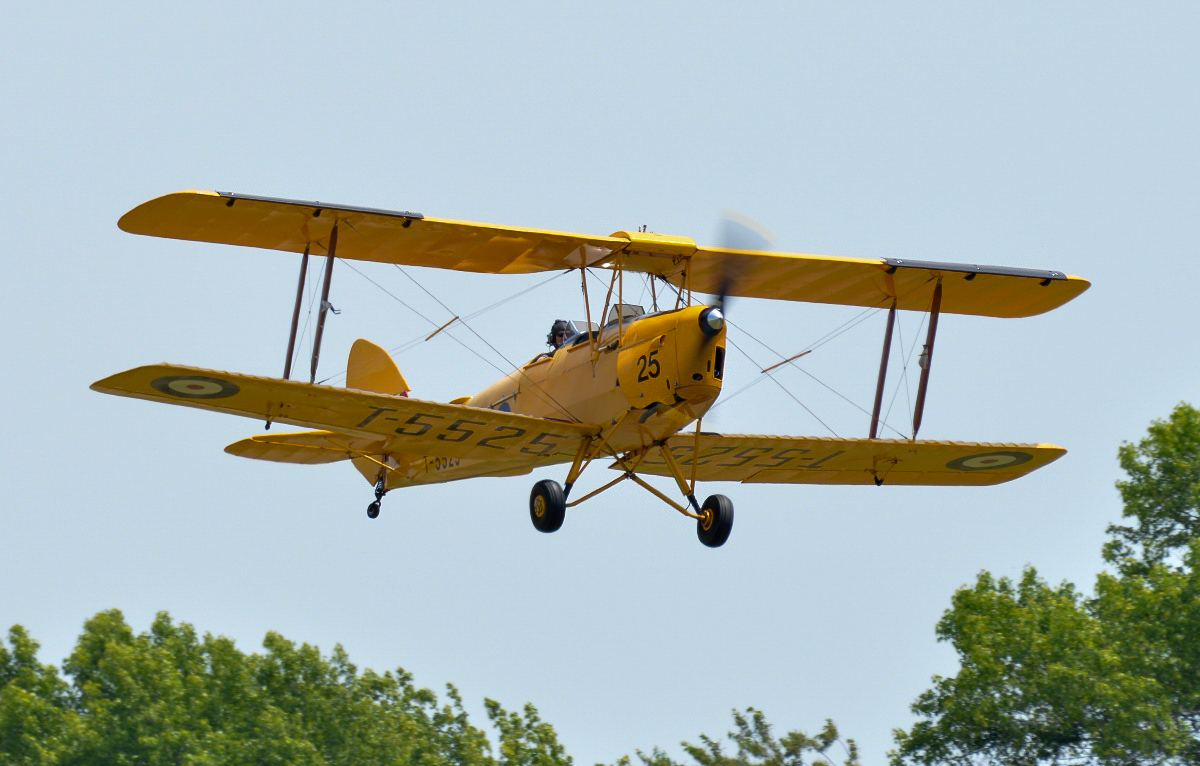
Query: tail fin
370,368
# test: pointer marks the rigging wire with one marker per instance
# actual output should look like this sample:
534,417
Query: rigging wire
781,386
904,367
829,336
419,314
823,340
728,340
313,289
534,386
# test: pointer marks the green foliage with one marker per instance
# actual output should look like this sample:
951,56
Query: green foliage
168,696
1162,493
1048,675
35,721
757,746
525,740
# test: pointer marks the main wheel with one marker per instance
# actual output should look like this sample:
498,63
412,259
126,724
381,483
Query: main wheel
373,510
716,521
547,505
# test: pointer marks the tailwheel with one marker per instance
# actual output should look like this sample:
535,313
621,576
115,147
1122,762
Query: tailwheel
716,521
547,505
380,491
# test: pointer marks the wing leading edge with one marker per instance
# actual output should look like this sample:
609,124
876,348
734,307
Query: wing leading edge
391,424
789,460
407,238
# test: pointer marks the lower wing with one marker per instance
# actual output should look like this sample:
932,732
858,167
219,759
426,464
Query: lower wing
357,422
789,460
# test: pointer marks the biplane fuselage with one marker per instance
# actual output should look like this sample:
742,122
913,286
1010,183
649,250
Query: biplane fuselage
640,382
648,379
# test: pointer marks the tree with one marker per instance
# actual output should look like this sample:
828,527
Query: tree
757,746
35,722
169,696
1049,675
1162,493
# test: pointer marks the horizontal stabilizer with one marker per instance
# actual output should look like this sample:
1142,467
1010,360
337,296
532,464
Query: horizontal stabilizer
305,447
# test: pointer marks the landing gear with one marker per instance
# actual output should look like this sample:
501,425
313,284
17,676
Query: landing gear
716,521
547,505
373,508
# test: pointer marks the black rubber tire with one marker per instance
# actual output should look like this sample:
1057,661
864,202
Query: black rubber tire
547,505
373,510
718,512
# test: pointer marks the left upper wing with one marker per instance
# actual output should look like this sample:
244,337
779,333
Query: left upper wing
788,460
398,423
364,234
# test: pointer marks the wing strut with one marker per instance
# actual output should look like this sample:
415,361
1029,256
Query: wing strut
926,360
316,354
883,364
287,365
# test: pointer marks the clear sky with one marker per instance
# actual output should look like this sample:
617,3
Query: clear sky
1059,136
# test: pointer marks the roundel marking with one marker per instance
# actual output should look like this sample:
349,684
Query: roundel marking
194,387
989,460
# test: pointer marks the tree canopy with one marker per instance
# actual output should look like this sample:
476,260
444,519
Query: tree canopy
1050,675
170,696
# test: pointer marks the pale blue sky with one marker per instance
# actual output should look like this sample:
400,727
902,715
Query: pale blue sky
1057,136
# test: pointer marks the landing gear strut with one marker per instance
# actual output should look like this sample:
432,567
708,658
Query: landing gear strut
373,508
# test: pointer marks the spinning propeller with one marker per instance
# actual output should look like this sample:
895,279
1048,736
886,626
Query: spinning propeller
735,232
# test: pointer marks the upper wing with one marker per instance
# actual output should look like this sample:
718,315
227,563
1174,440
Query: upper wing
388,236
364,234
993,291
787,460
409,426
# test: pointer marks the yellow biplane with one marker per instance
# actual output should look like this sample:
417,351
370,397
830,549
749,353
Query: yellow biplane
624,390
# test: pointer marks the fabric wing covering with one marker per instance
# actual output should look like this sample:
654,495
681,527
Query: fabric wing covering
406,238
788,460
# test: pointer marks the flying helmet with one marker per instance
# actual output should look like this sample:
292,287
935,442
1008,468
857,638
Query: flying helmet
560,325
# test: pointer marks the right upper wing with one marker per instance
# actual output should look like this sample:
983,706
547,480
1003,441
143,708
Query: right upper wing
399,424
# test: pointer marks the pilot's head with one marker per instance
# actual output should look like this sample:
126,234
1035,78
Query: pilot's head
559,332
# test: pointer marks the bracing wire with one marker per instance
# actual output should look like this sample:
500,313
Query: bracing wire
781,386
829,336
535,386
904,368
432,323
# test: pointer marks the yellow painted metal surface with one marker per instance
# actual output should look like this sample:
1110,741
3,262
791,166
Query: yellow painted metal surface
658,244
410,239
790,460
645,371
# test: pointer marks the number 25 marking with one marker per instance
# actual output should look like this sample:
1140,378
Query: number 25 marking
649,366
